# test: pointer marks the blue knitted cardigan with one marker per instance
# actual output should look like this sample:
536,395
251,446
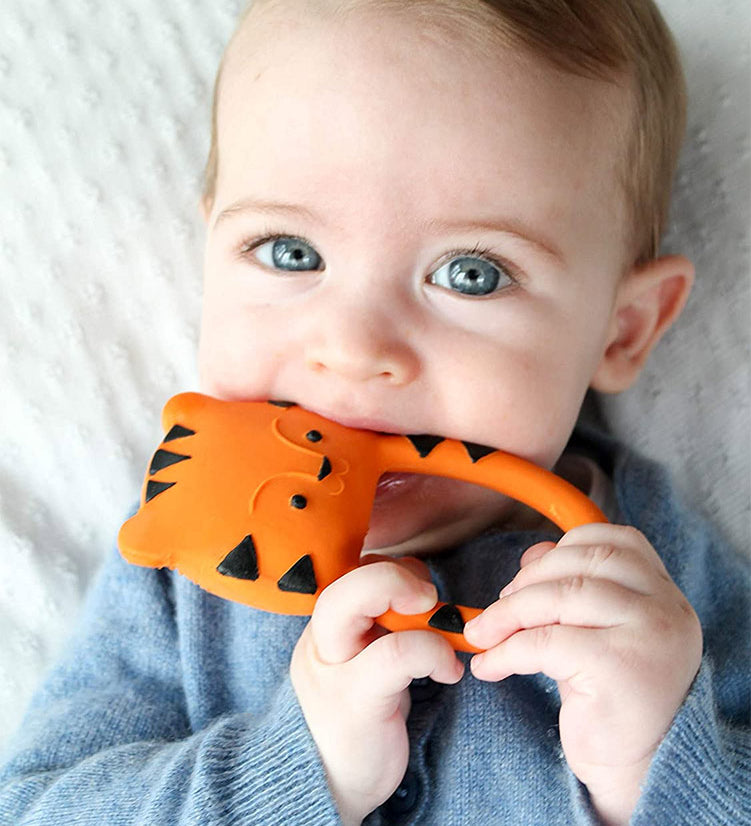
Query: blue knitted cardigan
171,706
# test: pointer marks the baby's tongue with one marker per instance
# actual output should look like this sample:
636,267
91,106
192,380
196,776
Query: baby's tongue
393,484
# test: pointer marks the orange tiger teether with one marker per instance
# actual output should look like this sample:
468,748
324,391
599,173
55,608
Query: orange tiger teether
266,503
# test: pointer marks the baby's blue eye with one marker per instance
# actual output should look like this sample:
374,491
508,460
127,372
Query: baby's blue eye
288,253
470,275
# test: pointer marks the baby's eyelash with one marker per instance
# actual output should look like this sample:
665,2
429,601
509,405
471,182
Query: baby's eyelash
480,251
249,244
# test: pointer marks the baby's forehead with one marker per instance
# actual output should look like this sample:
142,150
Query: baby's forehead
373,84
273,34
595,50
460,31
460,26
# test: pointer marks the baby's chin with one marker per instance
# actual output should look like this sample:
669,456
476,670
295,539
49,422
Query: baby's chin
418,515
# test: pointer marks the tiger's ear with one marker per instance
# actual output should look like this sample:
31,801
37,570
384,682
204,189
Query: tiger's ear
649,299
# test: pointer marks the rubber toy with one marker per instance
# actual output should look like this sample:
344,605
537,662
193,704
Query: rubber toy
266,504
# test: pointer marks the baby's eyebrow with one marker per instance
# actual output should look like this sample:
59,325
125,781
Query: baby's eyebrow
266,208
512,226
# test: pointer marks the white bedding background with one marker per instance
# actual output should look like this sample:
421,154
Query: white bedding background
103,131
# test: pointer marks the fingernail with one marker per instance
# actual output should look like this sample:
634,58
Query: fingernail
476,663
430,592
472,624
471,631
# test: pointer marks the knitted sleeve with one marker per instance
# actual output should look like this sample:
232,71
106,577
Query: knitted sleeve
701,773
108,738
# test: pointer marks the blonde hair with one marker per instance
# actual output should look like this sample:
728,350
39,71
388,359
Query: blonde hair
612,40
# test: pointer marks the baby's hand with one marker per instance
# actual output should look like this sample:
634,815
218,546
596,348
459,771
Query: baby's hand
351,679
599,614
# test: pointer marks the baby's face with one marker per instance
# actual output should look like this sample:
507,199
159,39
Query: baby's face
410,237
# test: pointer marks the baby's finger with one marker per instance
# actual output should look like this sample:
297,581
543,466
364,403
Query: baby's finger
596,559
560,651
416,566
535,552
344,613
387,666
575,601
411,563
607,535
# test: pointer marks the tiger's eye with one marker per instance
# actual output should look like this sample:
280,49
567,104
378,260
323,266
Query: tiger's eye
298,501
313,436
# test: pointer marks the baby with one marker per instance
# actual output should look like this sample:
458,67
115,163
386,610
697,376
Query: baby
436,216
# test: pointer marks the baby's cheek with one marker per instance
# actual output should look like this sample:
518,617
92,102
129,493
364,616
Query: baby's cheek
233,362
226,373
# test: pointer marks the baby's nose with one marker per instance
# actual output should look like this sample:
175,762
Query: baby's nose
358,344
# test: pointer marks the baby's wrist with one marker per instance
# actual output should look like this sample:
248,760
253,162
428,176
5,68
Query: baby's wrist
349,815
616,791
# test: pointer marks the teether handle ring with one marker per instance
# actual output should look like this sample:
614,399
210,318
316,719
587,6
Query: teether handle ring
392,621
558,500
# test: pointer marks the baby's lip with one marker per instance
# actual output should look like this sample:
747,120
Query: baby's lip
360,422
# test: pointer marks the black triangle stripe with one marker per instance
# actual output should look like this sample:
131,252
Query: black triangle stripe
178,432
476,452
241,562
300,578
165,458
155,488
424,443
447,618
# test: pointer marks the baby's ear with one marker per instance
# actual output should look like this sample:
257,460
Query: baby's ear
648,301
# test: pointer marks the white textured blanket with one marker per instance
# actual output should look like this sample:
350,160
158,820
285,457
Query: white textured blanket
103,132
